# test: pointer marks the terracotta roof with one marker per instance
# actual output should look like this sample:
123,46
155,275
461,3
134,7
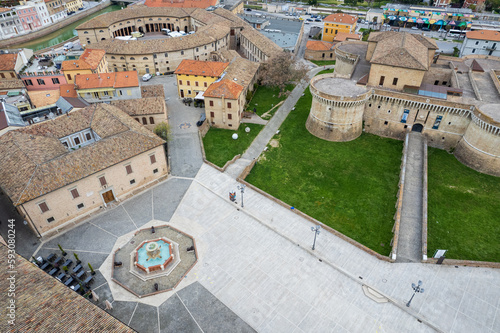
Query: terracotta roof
67,90
476,67
44,304
225,55
107,80
202,68
41,98
11,84
341,18
141,106
89,59
318,45
181,3
152,91
264,44
243,70
484,35
8,61
35,162
400,49
225,87
342,36
4,9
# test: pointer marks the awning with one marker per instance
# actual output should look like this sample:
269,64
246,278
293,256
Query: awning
462,24
13,93
392,17
200,95
440,22
412,20
452,22
432,21
403,18
420,20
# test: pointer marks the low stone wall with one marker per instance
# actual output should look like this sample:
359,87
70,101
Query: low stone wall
228,163
54,27
496,82
454,77
424,204
399,202
474,85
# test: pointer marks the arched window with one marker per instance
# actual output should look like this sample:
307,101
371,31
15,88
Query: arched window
144,121
145,58
182,52
122,58
85,32
137,120
112,57
132,58
101,30
151,120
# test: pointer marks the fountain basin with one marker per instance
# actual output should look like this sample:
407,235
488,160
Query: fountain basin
153,255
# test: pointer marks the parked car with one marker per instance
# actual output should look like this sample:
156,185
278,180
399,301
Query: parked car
317,20
310,20
248,9
414,28
441,30
201,120
146,77
426,29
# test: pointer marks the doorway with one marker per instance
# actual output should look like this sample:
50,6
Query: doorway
417,128
108,196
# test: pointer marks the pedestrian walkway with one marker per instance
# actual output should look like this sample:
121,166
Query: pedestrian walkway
267,133
410,228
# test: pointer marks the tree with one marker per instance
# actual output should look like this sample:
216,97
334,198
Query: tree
313,2
351,2
163,131
281,70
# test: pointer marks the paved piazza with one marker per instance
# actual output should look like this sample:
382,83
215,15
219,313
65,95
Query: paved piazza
256,263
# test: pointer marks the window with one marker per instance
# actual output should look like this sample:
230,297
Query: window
166,55
137,120
43,207
51,219
155,171
80,206
144,121
151,120
102,180
128,168
188,83
381,82
228,105
41,82
28,82
212,114
152,158
395,81
473,50
55,80
405,116
145,58
205,84
88,136
74,193
437,122
69,76
196,83
477,42
132,58
132,181
229,116
211,103
180,82
182,52
76,140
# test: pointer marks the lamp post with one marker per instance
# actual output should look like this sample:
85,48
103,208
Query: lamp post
242,189
316,230
416,289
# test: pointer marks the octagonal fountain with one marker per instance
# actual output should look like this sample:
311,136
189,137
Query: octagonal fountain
153,255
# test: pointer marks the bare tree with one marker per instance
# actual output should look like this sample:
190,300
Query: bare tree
281,70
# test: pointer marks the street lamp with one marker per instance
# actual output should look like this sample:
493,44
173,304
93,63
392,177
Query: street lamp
242,189
416,289
316,230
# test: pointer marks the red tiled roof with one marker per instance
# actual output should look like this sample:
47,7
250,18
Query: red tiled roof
197,67
89,59
181,3
225,87
318,45
341,18
8,61
484,35
107,80
67,90
342,36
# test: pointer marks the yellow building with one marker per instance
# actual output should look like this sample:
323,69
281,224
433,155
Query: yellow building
339,22
194,76
91,61
73,5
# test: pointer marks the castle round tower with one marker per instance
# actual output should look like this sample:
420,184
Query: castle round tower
337,108
480,146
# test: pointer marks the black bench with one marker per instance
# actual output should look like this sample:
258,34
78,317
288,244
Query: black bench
67,263
69,281
77,268
76,287
88,280
58,261
61,276
80,274
51,257
44,266
53,271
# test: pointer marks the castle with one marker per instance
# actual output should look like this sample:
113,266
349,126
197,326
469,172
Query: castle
396,83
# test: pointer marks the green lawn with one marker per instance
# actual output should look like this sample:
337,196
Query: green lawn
325,71
220,147
463,210
349,186
323,62
265,98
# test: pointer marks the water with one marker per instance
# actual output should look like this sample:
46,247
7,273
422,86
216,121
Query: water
63,34
164,251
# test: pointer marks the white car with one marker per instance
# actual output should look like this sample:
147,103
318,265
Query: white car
414,28
146,77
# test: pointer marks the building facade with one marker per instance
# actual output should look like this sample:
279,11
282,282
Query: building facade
29,17
319,50
101,87
73,6
10,24
483,42
335,23
57,10
91,61
194,76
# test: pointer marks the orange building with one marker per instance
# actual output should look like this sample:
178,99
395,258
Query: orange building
195,76
182,3
91,61
339,22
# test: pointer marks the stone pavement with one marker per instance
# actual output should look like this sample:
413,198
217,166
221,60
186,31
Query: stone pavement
410,229
267,133
258,262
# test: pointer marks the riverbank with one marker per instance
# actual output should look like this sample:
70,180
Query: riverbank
23,39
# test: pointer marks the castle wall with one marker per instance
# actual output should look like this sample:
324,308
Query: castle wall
345,63
401,76
441,76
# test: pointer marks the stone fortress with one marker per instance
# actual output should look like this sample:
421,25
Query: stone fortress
209,32
396,83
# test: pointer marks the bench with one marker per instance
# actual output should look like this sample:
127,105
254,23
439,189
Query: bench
68,263
77,268
51,257
88,280
76,287
44,266
69,281
53,271
58,260
61,276
80,274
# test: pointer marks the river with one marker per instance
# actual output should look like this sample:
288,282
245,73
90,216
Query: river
63,34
